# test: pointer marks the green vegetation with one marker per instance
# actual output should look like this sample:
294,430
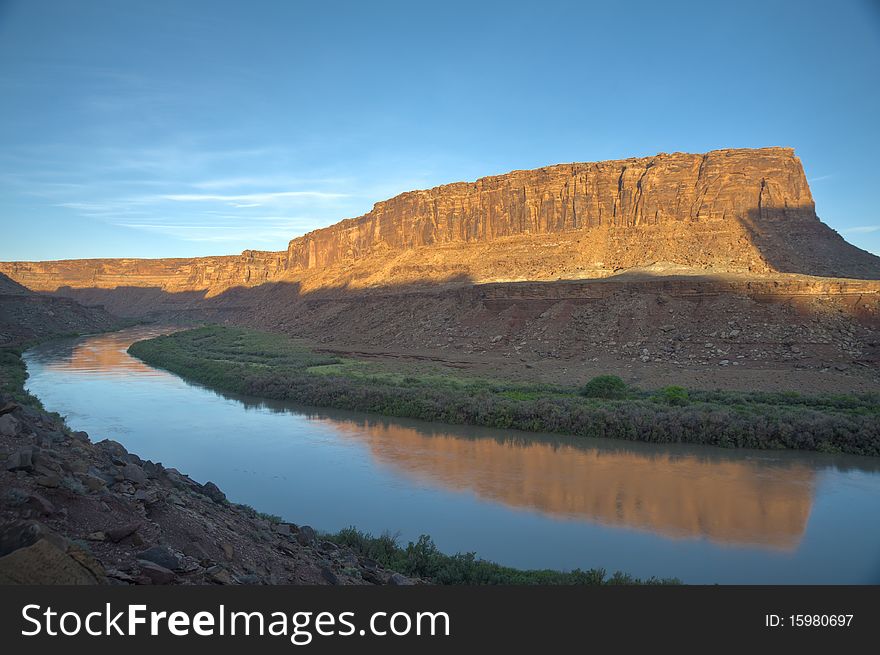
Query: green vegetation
273,366
13,374
609,387
423,560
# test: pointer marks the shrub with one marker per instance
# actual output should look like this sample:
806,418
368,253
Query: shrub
674,395
609,387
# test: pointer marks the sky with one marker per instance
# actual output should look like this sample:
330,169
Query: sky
173,129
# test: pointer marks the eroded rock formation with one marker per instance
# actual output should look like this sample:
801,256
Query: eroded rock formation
743,210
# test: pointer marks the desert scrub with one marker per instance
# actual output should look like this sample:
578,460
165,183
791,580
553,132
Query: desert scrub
422,559
13,374
273,366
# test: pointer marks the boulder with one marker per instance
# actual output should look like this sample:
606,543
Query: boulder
8,406
20,460
213,492
399,580
9,425
134,473
43,563
156,573
307,535
118,534
20,534
161,555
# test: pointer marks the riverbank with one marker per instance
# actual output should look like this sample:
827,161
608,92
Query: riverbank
274,366
79,512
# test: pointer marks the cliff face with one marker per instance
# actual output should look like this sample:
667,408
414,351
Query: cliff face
719,188
725,211
199,273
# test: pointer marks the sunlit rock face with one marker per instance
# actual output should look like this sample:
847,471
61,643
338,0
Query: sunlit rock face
743,211
725,498
707,210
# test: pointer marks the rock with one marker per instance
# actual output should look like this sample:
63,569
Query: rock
248,579
79,435
152,469
134,473
197,551
119,533
92,483
374,576
219,575
307,535
9,425
51,481
349,560
147,496
75,465
20,460
156,573
161,555
399,580
8,407
20,534
39,504
497,338
112,448
96,536
86,559
329,576
213,492
228,550
43,563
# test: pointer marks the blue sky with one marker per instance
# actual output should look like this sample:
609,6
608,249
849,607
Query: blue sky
148,129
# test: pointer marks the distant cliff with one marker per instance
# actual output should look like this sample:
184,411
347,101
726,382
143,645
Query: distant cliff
742,210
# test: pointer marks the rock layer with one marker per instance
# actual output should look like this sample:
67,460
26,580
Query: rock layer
741,210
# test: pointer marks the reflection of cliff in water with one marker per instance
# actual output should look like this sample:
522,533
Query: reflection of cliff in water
726,496
104,353
729,500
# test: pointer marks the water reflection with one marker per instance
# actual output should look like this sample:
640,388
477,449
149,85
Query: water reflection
598,502
101,354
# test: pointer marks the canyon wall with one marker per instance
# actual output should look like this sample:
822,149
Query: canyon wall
743,211
730,210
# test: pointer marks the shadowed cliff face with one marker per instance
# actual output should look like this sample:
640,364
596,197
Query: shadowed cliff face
745,211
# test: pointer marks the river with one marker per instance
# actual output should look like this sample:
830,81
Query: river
702,514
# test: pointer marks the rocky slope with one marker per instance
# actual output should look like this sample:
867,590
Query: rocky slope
25,315
77,512
724,211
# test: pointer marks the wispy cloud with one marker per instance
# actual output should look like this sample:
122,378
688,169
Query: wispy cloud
250,197
862,229
819,178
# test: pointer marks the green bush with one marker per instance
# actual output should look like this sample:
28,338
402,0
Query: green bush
674,395
609,387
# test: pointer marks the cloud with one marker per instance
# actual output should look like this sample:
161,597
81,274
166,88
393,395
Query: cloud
819,178
252,199
862,229
262,229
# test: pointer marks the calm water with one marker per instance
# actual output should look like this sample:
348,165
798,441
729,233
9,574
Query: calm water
704,515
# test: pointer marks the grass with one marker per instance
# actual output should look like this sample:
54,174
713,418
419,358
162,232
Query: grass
273,366
422,559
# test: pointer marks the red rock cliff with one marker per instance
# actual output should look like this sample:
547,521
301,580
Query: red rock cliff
725,211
